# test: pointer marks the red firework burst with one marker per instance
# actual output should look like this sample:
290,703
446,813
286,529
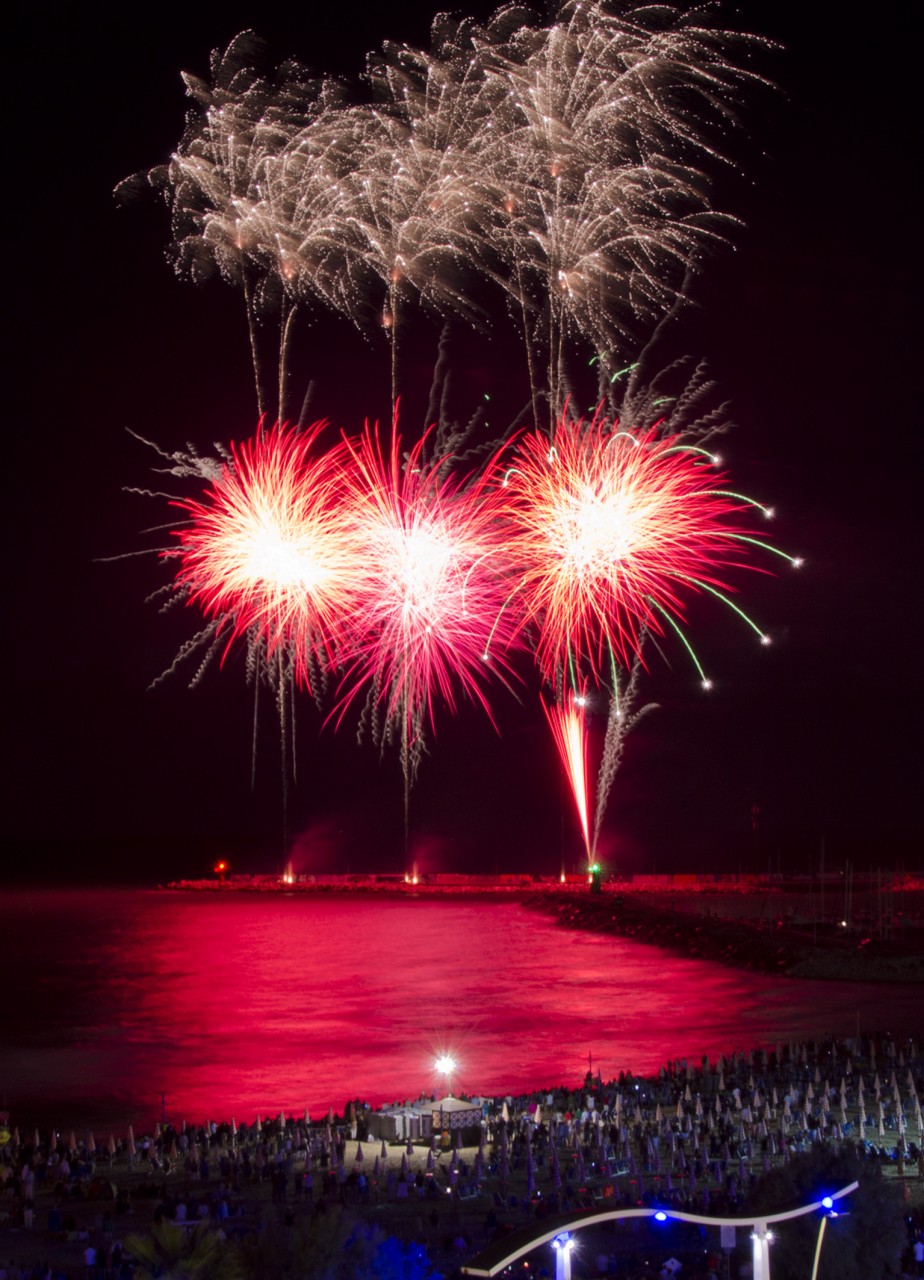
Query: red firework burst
267,549
610,530
429,616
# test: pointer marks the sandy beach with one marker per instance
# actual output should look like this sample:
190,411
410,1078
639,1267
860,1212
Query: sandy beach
696,1136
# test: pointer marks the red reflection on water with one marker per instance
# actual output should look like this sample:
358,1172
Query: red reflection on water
233,1005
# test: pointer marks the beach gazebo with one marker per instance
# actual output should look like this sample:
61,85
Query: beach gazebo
454,1115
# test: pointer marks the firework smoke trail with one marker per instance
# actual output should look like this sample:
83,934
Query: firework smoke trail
622,718
570,734
428,617
267,551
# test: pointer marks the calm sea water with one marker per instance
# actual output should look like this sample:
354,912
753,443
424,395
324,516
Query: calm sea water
233,1005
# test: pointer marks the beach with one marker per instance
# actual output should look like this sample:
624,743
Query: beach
698,1135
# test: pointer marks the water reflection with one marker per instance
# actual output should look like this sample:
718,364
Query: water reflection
235,1005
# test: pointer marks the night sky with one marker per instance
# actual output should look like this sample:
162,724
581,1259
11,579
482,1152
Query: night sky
807,327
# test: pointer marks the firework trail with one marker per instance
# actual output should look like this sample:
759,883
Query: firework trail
428,616
267,551
567,723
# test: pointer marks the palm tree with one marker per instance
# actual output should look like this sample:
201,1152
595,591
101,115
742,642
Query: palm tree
171,1253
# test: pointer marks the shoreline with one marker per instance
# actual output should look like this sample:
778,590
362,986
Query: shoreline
251,1181
774,949
698,917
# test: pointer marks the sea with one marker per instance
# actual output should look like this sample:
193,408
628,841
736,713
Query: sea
132,1007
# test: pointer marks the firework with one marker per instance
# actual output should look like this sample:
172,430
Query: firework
429,614
560,162
610,531
606,207
570,734
267,550
557,168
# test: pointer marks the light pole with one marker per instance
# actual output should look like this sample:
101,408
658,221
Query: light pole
830,1212
761,1237
563,1245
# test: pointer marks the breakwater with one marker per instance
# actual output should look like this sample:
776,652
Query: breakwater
765,947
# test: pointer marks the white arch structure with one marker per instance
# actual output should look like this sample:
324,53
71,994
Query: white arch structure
492,1260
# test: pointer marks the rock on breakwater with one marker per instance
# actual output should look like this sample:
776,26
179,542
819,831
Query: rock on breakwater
773,949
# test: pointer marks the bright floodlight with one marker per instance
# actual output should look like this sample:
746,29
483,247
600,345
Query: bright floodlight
446,1065
660,1216
827,1203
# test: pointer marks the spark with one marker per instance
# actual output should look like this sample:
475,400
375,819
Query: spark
429,614
611,530
267,551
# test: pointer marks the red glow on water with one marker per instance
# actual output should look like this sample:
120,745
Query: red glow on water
234,1005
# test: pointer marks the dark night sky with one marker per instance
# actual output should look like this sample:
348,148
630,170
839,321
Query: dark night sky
807,328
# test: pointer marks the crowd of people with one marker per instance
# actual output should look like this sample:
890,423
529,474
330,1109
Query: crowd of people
696,1136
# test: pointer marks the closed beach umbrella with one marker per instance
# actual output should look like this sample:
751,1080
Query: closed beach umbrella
36,1140
131,1141
430,1161
71,1141
376,1168
53,1140
403,1167
384,1151
91,1144
359,1153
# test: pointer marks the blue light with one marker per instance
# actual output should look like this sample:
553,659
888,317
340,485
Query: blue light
827,1203
660,1216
